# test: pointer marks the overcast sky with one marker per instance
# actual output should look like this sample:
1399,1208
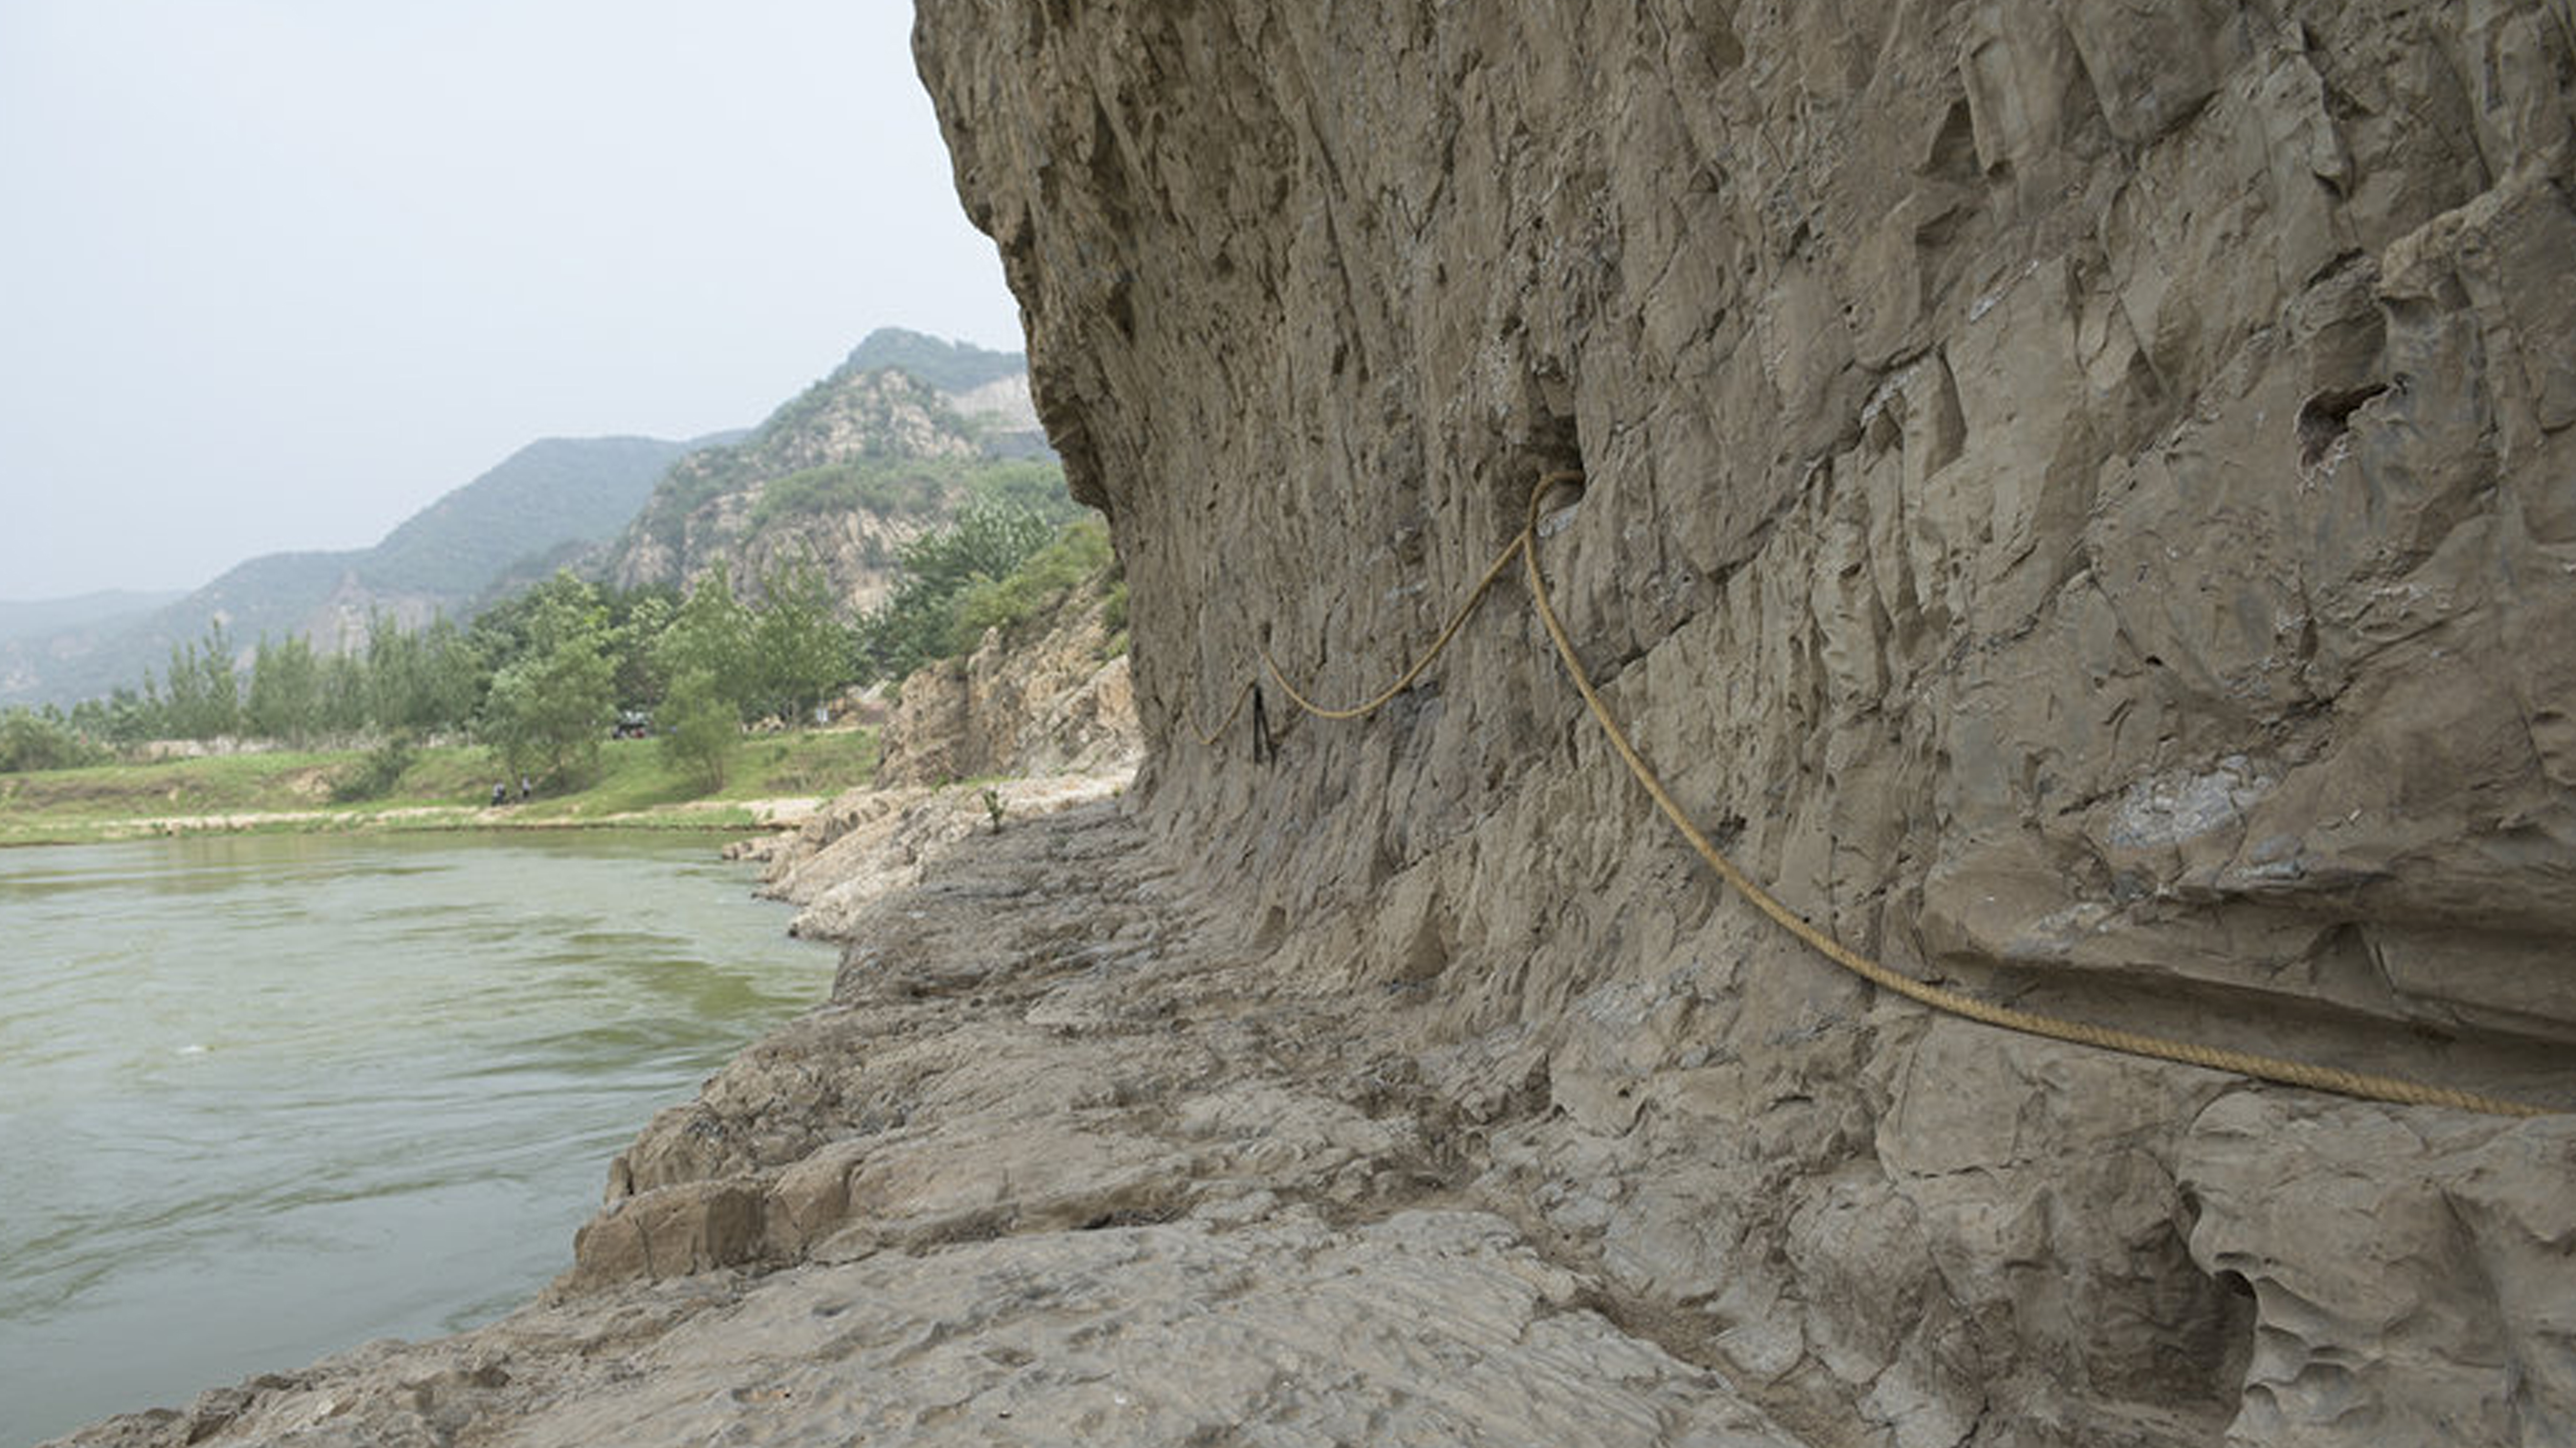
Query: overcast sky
275,274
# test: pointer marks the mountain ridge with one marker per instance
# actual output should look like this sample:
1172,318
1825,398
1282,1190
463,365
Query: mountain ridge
861,461
35,617
905,428
440,558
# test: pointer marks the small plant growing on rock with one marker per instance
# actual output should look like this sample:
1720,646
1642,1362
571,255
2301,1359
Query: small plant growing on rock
993,807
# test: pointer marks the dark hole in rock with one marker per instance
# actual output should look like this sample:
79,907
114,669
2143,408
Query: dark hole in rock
2327,416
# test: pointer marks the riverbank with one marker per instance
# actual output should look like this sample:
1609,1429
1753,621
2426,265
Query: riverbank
1079,1148
777,782
269,1095
1065,1156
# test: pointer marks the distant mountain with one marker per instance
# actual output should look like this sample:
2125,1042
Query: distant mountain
947,366
904,432
852,468
546,497
40,617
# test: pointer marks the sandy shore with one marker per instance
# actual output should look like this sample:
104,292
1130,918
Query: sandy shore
781,813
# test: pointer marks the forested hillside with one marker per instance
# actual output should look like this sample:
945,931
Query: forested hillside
873,524
896,441
548,494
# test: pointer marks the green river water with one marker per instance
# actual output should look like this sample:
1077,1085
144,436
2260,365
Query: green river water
263,1098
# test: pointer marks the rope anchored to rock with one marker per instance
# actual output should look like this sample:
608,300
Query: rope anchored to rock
1524,547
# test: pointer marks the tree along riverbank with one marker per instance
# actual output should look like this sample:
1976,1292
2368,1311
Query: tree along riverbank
774,781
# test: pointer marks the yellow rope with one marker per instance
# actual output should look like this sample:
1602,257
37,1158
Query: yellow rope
2244,1063
1242,696
1379,700
1457,621
1939,998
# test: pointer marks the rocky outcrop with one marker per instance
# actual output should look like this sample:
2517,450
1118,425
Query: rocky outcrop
1037,719
707,511
844,475
884,840
1048,696
2078,495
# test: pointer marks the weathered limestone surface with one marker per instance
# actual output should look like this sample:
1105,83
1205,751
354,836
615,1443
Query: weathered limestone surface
2081,496
874,842
1038,699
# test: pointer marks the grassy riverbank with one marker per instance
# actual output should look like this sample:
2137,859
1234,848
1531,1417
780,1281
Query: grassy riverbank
444,788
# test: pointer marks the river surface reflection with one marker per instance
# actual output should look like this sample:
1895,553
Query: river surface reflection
263,1098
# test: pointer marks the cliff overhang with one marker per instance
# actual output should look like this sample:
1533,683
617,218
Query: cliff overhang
2078,494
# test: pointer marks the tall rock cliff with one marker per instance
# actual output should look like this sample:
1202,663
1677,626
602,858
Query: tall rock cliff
2081,497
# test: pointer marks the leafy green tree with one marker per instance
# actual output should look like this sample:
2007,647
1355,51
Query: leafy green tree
285,698
988,540
1036,486
219,670
550,707
33,739
202,695
421,682
700,727
377,774
1079,551
341,705
394,674
918,622
711,634
508,630
635,628
452,679
800,648
125,717
153,712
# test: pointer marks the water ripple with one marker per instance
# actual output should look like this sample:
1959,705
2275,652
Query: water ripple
264,1097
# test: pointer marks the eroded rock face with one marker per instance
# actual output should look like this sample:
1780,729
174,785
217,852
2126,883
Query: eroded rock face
708,511
2353,1232
2085,485
1049,696
2081,496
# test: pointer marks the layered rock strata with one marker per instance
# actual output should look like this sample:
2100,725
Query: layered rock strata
2080,496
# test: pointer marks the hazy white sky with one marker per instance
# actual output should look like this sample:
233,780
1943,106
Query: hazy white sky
274,274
